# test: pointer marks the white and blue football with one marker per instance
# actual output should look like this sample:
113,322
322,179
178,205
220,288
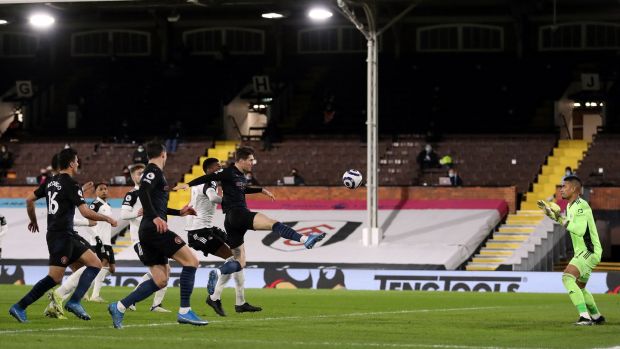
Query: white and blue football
352,179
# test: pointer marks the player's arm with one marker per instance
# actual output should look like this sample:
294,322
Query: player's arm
579,224
212,195
33,226
129,209
94,216
83,222
217,176
186,210
255,190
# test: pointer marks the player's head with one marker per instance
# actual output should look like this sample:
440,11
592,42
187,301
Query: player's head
156,151
571,187
68,160
101,189
136,171
211,165
55,165
244,159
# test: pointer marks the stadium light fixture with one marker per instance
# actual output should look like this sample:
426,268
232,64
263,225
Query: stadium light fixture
600,104
587,104
576,105
600,170
41,20
319,14
272,15
3,22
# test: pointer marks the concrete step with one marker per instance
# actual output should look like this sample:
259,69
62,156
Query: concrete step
508,229
481,267
499,245
487,260
495,253
510,237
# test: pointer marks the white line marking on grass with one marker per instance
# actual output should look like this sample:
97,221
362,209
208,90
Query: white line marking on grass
325,316
298,343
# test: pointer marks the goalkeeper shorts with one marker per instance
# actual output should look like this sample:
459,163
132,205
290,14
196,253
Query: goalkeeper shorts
585,262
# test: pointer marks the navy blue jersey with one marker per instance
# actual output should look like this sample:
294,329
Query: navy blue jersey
153,193
234,186
62,194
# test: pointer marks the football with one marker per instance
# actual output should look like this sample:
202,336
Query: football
352,179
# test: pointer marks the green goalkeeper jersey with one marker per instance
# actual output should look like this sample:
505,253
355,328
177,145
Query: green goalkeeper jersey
582,228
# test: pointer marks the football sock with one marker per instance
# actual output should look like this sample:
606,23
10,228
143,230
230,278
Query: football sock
231,266
575,294
99,279
239,287
286,232
219,287
188,274
159,296
38,290
85,280
64,291
592,309
142,292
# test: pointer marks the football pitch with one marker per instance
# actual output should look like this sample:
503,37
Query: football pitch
324,319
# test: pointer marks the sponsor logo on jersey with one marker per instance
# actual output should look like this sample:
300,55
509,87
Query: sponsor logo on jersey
178,240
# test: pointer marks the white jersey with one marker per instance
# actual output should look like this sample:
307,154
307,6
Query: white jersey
3,228
204,200
129,211
103,229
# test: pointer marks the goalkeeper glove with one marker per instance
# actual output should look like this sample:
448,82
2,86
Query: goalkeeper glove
552,210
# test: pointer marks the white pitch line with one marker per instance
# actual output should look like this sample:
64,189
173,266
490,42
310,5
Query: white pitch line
325,316
301,343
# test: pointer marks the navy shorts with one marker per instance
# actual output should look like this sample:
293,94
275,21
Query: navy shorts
237,222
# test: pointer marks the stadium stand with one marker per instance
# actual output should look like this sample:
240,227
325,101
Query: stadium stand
603,154
103,165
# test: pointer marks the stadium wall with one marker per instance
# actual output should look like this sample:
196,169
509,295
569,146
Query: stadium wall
508,194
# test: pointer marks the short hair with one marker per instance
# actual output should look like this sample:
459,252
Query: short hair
55,165
154,149
572,178
65,157
100,184
243,153
135,167
208,162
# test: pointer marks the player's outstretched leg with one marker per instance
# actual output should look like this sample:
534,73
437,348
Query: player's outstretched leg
18,310
241,306
289,233
73,305
576,296
597,318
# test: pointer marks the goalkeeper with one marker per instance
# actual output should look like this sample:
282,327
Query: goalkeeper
579,222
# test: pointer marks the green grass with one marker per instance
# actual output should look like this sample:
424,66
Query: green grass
325,319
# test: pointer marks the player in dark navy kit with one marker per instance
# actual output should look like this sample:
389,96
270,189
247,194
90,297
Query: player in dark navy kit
158,244
62,194
238,218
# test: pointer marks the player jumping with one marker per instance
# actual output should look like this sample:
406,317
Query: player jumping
203,236
238,218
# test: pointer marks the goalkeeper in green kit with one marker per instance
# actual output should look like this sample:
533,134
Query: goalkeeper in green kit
579,223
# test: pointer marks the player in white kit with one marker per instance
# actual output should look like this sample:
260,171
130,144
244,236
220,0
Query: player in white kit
101,240
131,210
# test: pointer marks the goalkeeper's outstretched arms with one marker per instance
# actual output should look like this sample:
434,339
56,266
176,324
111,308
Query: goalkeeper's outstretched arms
551,210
